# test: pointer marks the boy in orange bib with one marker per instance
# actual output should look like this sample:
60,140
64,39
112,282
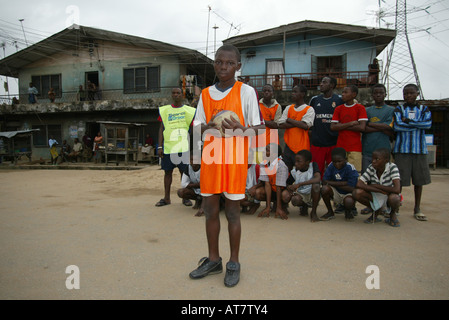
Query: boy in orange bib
297,119
224,160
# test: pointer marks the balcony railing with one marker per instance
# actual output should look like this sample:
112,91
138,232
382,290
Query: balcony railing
361,79
112,94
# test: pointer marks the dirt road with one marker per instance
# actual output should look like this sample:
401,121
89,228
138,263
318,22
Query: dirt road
105,223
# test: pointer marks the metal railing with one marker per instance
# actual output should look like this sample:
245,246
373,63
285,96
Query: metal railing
110,94
361,79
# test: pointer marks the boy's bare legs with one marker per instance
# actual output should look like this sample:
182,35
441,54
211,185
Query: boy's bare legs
168,178
211,211
232,211
418,195
394,201
327,194
315,200
212,264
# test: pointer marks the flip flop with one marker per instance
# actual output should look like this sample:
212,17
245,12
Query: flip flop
366,211
327,217
370,220
187,202
394,223
162,202
420,216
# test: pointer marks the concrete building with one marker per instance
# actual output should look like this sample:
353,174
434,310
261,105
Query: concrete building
305,51
133,76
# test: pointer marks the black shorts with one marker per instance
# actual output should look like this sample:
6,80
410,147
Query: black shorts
173,160
414,168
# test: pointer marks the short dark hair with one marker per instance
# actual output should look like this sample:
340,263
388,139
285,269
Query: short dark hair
338,152
411,85
269,85
353,88
230,47
333,81
306,154
379,85
302,88
272,144
385,152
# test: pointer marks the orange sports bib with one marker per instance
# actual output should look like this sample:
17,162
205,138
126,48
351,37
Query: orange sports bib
296,138
224,161
268,114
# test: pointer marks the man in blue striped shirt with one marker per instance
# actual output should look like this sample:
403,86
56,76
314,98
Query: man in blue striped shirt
410,150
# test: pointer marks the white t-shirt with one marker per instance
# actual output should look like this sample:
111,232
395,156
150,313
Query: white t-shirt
308,118
192,177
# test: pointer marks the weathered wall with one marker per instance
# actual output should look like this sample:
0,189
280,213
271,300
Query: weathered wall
109,59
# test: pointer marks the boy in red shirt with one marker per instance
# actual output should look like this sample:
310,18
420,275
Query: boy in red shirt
349,120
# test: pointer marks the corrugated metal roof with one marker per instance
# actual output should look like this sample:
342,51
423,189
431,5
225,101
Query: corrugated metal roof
70,38
10,134
380,37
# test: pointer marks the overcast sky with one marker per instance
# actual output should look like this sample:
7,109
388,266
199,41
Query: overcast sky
185,23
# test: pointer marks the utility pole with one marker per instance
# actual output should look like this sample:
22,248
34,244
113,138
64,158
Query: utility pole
6,83
215,38
21,23
400,68
207,44
208,21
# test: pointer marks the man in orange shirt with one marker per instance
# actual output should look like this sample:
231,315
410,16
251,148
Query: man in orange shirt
224,161
297,119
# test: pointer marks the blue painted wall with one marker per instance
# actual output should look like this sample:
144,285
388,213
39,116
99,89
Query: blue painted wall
299,51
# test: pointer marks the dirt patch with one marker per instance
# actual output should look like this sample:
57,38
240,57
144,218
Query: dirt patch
106,224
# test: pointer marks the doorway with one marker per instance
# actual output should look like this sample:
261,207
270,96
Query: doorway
92,129
91,76
92,93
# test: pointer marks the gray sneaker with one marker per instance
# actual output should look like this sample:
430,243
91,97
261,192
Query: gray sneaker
206,267
232,276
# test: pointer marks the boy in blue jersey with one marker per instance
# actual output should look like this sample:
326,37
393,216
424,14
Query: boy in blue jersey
410,149
339,181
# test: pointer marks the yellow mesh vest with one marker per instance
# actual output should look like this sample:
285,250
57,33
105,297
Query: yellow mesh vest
176,127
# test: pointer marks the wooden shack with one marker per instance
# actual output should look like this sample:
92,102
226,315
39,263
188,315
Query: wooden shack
121,139
15,144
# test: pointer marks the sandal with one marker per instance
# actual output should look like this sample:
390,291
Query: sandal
394,223
327,217
420,216
162,202
187,202
370,220
366,210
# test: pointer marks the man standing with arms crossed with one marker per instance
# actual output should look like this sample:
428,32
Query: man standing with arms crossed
322,138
